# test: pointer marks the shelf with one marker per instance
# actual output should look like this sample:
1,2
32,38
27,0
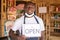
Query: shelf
55,4
55,28
55,34
55,12
55,19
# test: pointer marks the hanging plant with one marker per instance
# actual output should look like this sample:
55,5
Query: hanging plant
20,11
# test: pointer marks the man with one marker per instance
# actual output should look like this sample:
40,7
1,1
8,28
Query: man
28,18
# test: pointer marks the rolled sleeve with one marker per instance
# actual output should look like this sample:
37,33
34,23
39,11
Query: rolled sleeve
16,25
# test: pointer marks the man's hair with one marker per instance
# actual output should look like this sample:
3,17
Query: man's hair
29,3
20,2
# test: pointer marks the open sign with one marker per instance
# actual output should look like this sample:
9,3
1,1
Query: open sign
31,30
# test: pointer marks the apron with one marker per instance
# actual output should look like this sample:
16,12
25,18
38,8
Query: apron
31,38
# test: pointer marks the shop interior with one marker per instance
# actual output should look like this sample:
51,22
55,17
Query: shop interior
48,10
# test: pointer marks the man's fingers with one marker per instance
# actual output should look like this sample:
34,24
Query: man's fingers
21,37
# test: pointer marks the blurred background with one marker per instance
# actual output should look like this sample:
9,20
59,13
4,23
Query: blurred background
48,10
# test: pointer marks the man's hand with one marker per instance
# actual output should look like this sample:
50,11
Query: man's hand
21,37
42,35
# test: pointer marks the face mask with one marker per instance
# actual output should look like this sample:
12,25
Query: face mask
29,15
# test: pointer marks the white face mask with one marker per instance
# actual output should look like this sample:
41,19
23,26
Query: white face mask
29,15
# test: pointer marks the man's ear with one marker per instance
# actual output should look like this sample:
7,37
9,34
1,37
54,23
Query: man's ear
34,12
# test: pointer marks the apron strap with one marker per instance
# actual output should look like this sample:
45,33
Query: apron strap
21,31
24,23
24,19
36,20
